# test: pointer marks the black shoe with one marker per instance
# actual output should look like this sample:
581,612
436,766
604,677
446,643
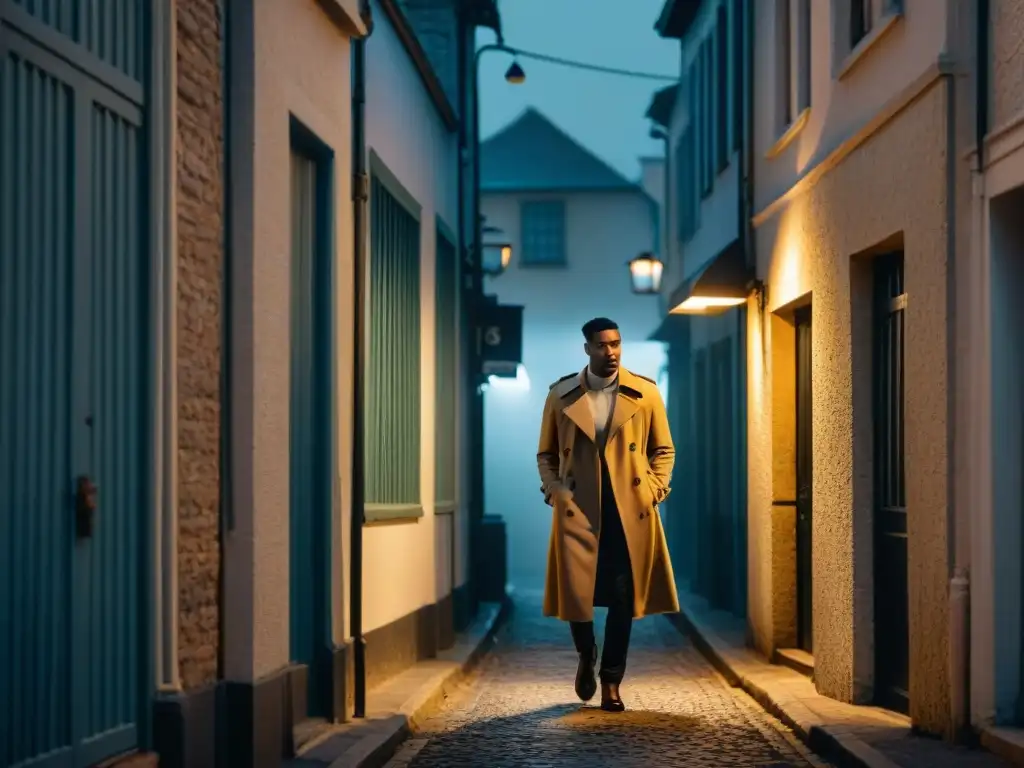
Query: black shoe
610,701
586,682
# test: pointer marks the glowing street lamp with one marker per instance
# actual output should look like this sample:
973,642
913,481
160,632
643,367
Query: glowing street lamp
645,273
495,258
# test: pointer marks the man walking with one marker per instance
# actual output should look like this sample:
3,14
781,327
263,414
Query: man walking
605,459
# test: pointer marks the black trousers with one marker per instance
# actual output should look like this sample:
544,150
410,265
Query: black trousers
614,589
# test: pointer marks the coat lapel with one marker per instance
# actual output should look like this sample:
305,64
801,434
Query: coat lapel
578,411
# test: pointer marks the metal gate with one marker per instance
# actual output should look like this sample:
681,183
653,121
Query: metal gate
310,471
892,643
804,467
74,282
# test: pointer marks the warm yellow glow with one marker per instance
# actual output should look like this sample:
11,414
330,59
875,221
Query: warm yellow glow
645,272
506,255
696,305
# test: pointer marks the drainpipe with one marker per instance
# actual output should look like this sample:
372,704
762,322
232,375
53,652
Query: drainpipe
745,125
227,509
360,199
959,586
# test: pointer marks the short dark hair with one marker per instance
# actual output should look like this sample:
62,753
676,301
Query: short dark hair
597,325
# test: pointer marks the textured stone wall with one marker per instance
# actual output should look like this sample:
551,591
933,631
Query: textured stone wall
1007,60
200,262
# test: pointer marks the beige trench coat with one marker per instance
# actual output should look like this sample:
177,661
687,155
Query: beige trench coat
640,455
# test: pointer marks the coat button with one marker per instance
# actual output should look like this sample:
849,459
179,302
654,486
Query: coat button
565,452
636,481
641,515
632,446
569,513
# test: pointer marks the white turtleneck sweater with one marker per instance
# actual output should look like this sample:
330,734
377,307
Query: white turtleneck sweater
601,398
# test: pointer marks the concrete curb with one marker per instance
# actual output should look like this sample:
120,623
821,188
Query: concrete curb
381,734
833,742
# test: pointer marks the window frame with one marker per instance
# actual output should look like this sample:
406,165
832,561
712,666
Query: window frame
722,143
524,256
405,509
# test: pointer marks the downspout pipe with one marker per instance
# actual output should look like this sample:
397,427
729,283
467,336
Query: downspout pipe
227,517
360,200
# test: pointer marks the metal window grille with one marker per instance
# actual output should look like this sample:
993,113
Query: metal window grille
393,375
543,232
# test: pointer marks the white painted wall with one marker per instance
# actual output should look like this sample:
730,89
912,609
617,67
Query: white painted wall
604,231
311,81
847,92
404,128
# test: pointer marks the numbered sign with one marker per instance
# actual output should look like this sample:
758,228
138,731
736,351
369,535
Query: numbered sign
500,337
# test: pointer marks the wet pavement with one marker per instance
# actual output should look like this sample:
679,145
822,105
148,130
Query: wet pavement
519,709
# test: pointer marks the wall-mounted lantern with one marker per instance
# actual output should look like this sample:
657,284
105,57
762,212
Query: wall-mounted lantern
645,273
495,258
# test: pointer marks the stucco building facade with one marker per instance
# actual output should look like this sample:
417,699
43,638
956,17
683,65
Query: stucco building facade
992,126
851,412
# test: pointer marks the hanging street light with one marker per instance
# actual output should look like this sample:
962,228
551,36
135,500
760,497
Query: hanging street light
645,273
515,74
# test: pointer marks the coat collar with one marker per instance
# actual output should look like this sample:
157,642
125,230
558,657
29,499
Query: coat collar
572,389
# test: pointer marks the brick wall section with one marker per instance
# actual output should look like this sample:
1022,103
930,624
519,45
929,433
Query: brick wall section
200,263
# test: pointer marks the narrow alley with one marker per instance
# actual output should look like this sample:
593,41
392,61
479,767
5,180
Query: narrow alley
519,709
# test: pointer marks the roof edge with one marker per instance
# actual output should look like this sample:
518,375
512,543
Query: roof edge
676,18
407,35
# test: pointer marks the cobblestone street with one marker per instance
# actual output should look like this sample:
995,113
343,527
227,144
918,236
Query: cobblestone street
519,709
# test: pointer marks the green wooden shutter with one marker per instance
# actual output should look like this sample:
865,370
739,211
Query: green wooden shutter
446,417
392,439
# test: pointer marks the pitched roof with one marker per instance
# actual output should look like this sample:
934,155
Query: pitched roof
533,154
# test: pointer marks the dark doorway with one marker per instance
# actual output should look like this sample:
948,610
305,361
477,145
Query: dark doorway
310,415
804,465
892,643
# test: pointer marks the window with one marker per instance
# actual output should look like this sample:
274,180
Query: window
793,60
857,26
722,88
738,57
697,119
542,233
784,59
446,375
682,181
392,428
687,200
860,20
707,117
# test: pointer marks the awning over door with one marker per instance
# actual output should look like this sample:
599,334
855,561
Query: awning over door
723,282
